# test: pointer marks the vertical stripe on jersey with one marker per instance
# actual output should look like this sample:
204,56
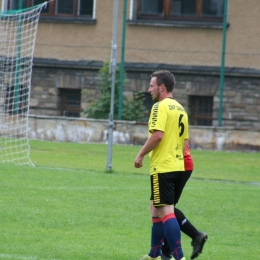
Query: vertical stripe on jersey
156,190
155,113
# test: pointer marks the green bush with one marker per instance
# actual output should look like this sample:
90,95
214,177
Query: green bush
131,110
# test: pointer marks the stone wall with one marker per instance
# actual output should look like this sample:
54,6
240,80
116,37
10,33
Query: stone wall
241,93
133,133
47,80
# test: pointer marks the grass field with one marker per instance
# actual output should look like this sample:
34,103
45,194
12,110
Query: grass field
69,207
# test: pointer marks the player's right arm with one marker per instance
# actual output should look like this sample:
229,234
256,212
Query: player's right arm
152,142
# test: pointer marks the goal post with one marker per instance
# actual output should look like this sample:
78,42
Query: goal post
18,30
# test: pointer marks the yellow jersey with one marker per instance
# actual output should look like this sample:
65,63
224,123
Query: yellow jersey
171,118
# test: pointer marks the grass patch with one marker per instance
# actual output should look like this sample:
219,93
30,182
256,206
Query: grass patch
68,207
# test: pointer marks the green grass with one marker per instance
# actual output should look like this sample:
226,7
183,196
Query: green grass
69,207
235,166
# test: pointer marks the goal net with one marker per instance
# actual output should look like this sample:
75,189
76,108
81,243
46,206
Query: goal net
17,40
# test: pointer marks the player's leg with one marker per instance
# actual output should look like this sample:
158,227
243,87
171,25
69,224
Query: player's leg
157,230
171,227
198,238
185,225
172,233
179,186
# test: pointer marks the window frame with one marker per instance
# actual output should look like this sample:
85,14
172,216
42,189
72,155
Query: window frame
53,10
67,106
197,18
195,107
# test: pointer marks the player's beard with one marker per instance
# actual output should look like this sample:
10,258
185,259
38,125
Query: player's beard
156,97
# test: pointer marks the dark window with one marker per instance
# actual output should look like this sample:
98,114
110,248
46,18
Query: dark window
58,8
70,102
151,7
200,110
45,10
65,7
16,99
182,10
86,7
14,5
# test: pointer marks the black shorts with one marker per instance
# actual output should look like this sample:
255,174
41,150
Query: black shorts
181,183
166,188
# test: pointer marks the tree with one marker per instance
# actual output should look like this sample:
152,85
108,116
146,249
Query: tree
131,110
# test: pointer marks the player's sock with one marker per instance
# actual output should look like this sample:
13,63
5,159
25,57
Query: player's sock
173,235
185,226
157,237
166,249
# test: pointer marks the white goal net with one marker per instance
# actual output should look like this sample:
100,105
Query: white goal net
17,40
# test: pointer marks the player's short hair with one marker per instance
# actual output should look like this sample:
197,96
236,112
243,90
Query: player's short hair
164,77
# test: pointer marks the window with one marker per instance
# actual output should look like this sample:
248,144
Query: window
180,10
200,110
69,102
16,99
71,8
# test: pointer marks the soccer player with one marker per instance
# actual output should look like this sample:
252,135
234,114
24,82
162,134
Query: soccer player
168,128
198,238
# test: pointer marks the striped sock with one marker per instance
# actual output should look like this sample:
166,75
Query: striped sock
157,237
173,235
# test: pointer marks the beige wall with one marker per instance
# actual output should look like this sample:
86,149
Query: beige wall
151,44
243,35
190,46
132,133
78,41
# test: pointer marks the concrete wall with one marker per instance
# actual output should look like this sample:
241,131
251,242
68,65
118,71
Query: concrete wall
134,133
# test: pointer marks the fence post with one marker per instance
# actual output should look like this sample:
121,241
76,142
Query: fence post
222,69
18,62
113,71
122,64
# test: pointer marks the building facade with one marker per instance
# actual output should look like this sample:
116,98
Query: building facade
185,37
